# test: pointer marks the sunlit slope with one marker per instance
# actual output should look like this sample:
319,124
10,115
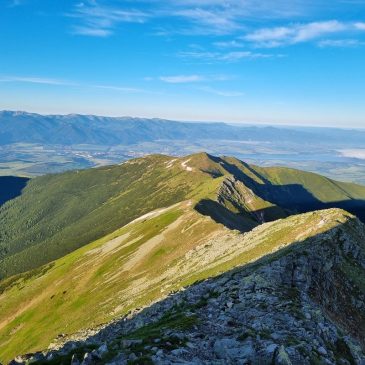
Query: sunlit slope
57,214
137,264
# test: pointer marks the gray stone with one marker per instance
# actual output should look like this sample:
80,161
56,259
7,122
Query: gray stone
190,345
282,358
322,351
132,357
102,350
271,348
178,352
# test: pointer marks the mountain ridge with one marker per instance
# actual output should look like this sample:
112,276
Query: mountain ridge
90,248
63,212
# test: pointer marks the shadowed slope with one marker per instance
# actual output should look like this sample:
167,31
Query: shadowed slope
11,187
297,191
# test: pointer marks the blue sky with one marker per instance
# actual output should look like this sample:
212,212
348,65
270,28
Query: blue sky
290,62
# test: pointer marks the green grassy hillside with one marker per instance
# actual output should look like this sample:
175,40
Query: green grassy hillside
57,214
134,266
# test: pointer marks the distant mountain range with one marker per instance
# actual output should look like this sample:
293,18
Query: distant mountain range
22,127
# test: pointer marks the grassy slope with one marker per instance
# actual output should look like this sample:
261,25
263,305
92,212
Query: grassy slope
57,214
132,267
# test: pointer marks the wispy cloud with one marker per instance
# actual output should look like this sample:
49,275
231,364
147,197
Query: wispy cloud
182,79
186,79
230,16
340,43
36,80
224,93
59,82
229,44
100,21
215,17
233,56
93,32
101,18
123,89
298,33
359,26
210,20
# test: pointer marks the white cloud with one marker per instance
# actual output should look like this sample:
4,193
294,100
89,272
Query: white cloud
210,20
234,56
123,89
340,43
317,29
229,44
182,79
100,21
93,32
36,80
100,18
298,33
225,93
58,82
360,26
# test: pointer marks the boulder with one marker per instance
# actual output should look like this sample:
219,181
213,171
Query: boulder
281,357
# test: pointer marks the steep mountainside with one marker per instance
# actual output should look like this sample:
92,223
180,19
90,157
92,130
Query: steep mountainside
57,214
300,301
